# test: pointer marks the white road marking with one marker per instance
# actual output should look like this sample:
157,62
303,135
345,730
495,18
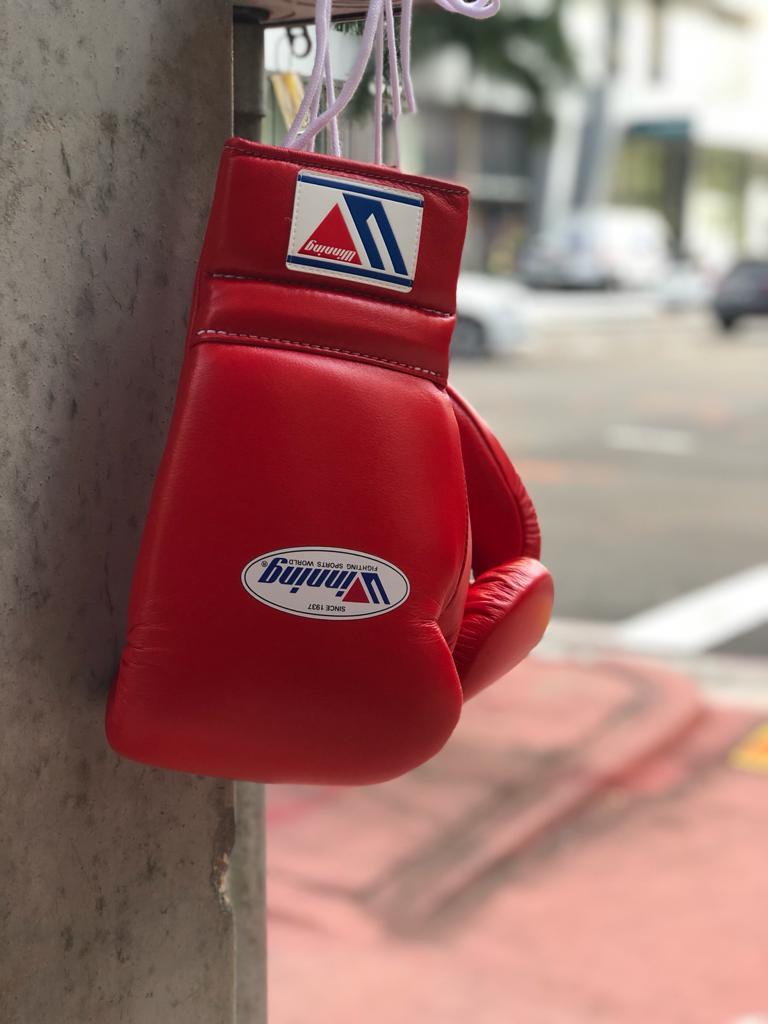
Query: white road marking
629,437
751,698
702,619
724,679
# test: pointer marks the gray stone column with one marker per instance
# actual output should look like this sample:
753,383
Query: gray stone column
248,888
113,877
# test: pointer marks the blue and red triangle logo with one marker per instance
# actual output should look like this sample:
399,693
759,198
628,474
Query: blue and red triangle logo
331,240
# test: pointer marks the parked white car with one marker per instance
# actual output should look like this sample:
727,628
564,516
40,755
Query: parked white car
686,286
490,319
603,247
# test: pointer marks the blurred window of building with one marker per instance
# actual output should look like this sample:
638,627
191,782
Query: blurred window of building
718,185
639,175
721,170
651,170
504,144
439,142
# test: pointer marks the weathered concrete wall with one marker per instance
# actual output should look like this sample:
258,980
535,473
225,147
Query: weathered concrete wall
111,875
248,889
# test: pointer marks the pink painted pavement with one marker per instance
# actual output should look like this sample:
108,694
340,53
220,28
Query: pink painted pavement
582,850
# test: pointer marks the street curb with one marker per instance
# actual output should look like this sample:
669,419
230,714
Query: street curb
673,708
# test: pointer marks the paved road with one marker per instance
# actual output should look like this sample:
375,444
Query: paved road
644,441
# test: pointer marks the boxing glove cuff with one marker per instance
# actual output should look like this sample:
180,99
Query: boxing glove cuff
316,254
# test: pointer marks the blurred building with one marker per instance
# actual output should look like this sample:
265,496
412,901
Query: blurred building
480,131
667,111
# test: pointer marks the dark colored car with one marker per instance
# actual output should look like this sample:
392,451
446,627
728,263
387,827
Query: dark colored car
742,292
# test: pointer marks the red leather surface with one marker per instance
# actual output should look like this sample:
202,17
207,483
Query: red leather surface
506,613
504,522
261,456
242,267
308,413
312,414
315,320
509,603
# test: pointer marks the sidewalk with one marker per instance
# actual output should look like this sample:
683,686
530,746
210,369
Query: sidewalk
582,850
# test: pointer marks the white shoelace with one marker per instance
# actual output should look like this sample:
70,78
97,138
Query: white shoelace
378,34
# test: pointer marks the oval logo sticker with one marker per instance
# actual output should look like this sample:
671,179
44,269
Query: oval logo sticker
326,583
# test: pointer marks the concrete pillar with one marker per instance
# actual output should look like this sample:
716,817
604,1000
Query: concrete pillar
248,890
247,873
248,76
113,877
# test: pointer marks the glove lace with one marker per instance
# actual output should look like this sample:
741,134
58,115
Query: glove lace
378,33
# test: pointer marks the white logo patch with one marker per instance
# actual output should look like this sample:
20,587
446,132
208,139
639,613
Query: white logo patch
325,583
345,228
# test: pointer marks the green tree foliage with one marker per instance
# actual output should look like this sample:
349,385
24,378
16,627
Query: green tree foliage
531,50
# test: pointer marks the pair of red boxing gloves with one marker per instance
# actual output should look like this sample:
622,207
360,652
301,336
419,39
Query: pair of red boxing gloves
338,553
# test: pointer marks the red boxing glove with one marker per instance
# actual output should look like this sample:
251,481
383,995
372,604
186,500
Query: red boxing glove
509,602
306,552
